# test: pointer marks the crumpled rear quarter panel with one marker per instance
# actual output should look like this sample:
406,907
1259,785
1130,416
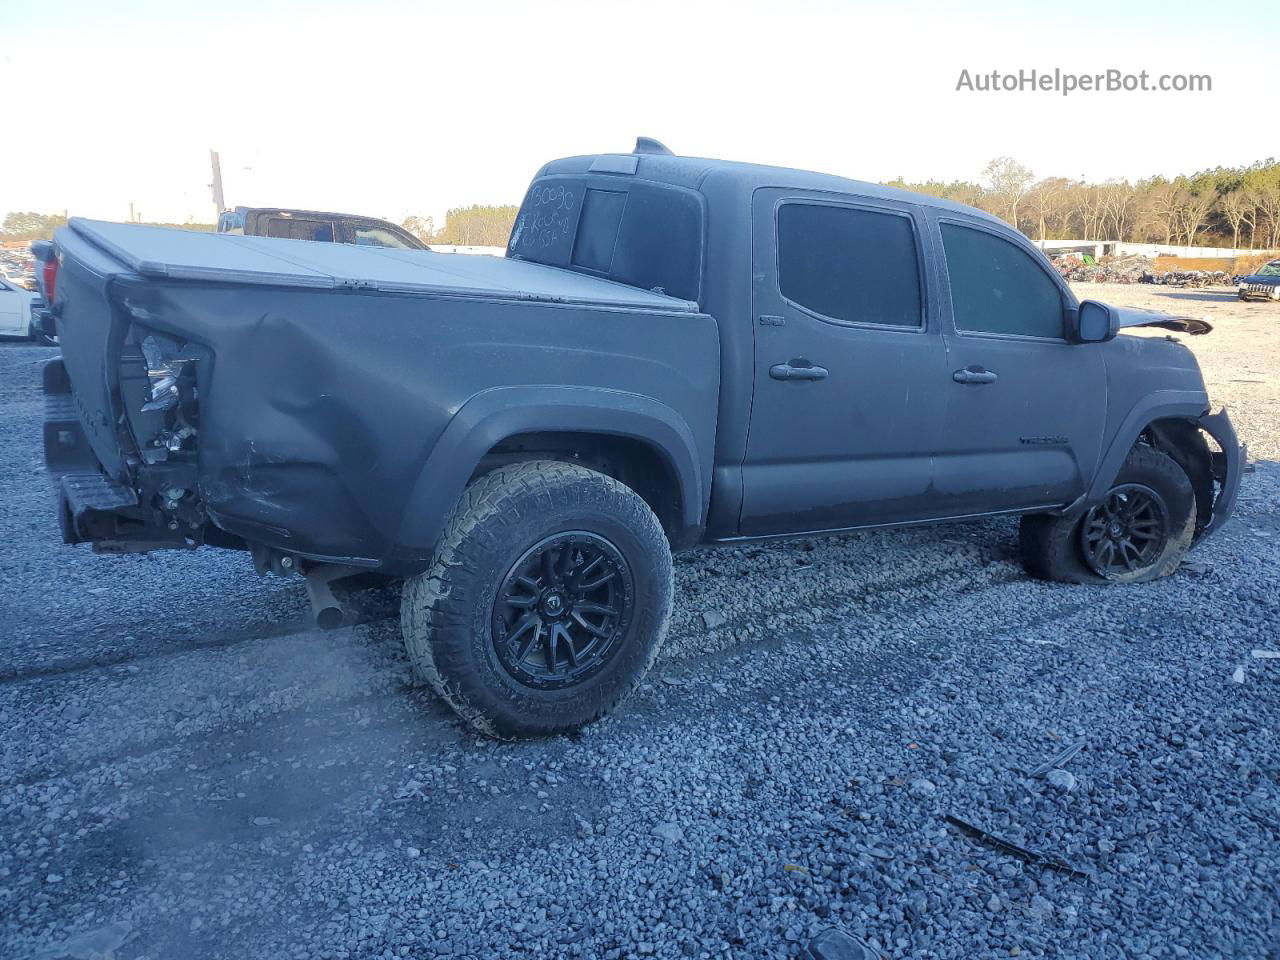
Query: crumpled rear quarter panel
322,405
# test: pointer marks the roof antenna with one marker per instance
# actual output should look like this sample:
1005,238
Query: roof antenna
650,145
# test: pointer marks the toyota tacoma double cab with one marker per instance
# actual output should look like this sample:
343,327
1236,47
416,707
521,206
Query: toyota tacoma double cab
674,352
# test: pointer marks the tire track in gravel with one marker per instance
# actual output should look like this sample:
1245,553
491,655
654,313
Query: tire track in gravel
839,601
322,722
338,759
210,641
953,584
891,667
803,594
195,695
884,674
213,641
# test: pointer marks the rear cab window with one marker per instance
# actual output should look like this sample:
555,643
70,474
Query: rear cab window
850,264
999,288
638,232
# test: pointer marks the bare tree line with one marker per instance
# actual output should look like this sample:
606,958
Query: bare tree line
1226,206
479,225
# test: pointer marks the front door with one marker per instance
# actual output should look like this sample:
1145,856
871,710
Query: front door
848,361
1025,407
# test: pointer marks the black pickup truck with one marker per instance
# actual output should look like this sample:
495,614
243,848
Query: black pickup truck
674,352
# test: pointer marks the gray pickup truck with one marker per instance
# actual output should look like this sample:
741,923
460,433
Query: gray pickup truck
674,352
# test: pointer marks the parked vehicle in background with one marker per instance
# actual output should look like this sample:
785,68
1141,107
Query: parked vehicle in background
675,351
1263,285
319,226
23,281
18,312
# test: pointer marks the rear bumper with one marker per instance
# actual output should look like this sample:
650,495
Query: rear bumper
1227,466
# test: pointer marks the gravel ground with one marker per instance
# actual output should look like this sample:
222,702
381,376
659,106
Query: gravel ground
189,772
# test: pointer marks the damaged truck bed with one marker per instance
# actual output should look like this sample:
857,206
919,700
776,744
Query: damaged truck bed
336,371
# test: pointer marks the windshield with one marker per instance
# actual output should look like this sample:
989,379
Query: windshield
1271,269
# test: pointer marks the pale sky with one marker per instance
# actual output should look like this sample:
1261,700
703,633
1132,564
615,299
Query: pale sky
390,109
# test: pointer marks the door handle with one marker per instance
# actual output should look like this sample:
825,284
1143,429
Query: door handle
797,371
974,375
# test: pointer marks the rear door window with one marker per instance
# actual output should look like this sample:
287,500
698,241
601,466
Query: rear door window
997,287
850,264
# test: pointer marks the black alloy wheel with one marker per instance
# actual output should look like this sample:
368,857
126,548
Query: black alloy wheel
546,600
1126,533
562,610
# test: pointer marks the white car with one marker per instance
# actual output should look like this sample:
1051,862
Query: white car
17,311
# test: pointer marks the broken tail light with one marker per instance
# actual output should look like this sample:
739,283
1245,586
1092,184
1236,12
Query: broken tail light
165,364
159,392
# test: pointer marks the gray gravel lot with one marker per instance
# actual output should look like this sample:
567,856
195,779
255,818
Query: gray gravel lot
187,771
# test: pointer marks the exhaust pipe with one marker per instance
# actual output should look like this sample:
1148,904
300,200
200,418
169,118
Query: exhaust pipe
327,613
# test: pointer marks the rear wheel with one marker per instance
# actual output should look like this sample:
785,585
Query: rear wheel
546,601
1140,531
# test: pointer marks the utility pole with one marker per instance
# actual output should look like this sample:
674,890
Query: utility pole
216,186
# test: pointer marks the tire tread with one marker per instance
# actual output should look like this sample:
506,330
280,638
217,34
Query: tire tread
1049,546
435,612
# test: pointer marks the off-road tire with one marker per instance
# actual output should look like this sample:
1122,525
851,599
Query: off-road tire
1050,545
446,613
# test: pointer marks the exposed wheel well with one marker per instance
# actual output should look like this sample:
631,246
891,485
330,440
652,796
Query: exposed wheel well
1185,443
639,465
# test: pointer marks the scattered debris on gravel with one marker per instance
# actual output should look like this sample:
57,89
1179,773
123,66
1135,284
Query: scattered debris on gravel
188,771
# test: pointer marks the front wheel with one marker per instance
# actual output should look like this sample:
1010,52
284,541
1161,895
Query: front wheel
1140,531
545,603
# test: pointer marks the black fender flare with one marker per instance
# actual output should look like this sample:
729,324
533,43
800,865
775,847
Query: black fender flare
1158,405
1192,406
495,414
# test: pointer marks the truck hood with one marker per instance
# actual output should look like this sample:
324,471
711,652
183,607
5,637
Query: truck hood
1264,281
1137,317
229,258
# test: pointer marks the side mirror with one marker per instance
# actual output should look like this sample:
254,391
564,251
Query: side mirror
1093,322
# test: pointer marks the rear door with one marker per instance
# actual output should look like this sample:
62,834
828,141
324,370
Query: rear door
1025,407
848,357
